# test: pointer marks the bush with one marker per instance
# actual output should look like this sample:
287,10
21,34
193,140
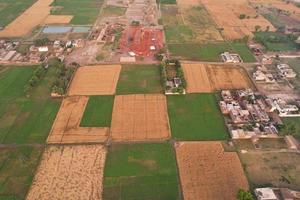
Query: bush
242,16
41,42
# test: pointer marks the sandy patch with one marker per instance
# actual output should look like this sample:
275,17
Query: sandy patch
58,19
66,130
69,172
95,80
140,117
207,172
197,78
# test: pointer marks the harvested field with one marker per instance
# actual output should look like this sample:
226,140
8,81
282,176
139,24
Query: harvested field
207,78
32,17
66,128
228,77
95,80
140,117
69,172
207,172
140,39
227,15
58,19
197,78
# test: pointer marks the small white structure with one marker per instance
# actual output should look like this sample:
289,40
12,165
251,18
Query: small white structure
43,49
152,48
131,53
127,59
286,71
231,58
265,194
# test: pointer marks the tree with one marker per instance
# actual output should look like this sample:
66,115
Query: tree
242,16
244,195
257,27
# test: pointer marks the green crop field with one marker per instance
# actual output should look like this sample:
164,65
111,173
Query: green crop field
295,121
276,41
84,12
10,10
98,112
141,171
139,79
25,118
166,1
211,51
196,117
18,165
109,11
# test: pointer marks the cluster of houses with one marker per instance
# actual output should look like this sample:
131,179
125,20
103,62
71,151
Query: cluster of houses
286,71
9,53
35,54
262,75
283,108
270,193
247,114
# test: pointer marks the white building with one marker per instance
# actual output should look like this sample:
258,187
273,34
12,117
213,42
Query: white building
265,194
286,71
231,58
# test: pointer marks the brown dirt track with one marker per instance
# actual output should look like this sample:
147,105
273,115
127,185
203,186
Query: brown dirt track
95,80
140,117
66,130
207,172
203,78
69,172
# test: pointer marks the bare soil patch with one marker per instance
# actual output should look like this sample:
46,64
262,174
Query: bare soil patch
140,117
58,19
207,172
228,77
69,172
95,80
66,130
197,78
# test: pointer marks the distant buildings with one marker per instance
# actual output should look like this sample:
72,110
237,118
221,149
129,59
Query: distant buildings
286,71
276,194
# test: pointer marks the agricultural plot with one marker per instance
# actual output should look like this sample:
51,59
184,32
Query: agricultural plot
9,10
66,128
293,121
196,117
18,165
139,118
227,15
228,77
188,25
37,14
148,172
69,172
279,169
113,11
277,41
211,51
25,119
207,172
207,78
84,12
95,80
98,112
139,79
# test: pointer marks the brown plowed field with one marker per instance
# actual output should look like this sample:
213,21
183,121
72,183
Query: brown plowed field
69,172
203,78
140,118
95,80
66,130
207,172
196,78
228,77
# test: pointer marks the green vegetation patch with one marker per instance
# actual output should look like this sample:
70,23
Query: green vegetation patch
166,1
10,10
98,112
276,41
113,11
139,79
196,117
295,123
18,165
141,171
210,52
84,12
275,169
26,117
